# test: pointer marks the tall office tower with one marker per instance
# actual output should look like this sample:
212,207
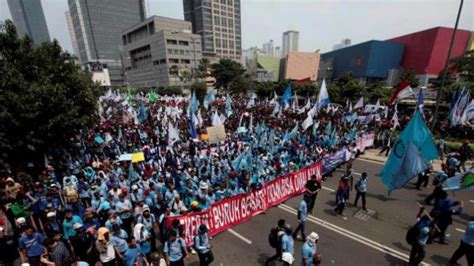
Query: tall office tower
29,19
268,48
290,42
98,25
277,52
218,23
72,34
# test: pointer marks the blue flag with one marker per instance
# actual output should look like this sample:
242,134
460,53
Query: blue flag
285,99
461,182
192,128
405,161
142,115
228,105
421,100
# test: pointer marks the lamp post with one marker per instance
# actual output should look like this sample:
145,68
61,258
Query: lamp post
440,89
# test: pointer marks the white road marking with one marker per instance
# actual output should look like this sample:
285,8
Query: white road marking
351,235
370,161
328,189
340,170
460,230
240,236
471,201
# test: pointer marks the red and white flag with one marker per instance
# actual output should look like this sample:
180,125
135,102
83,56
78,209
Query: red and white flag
402,91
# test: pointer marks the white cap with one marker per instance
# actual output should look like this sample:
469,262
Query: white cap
21,220
312,238
77,226
50,214
134,187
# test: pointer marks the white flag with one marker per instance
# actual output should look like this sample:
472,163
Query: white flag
395,120
307,123
360,103
276,109
173,134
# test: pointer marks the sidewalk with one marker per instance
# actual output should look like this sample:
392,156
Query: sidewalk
373,155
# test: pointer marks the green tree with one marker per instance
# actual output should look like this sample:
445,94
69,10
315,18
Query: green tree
203,68
348,88
242,84
170,90
265,89
200,89
225,71
308,89
45,98
464,66
376,91
410,76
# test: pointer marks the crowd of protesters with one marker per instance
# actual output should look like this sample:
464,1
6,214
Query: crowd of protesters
86,205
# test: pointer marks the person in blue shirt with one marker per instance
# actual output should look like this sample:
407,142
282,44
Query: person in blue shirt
125,208
203,246
444,216
361,188
287,243
302,218
119,239
68,224
133,255
417,253
309,249
466,247
175,250
30,245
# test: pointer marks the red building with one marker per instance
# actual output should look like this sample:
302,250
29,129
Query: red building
426,51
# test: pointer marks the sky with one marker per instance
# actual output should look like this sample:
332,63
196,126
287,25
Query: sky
321,23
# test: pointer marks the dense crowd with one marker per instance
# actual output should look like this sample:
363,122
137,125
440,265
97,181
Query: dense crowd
86,204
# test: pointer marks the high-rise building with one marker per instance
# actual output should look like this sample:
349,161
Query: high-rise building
277,52
98,26
218,23
29,19
268,48
290,42
72,34
344,43
152,47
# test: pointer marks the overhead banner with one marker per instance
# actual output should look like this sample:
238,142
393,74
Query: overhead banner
238,209
331,161
365,141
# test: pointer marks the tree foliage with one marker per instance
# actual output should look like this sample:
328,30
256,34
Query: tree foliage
200,89
410,76
242,84
225,71
45,97
203,70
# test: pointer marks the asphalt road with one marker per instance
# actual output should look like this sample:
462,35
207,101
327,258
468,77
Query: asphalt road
359,238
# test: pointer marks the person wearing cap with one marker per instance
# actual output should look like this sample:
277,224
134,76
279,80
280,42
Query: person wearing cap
51,226
83,244
31,246
124,209
203,246
105,248
175,249
114,218
68,223
148,219
177,206
308,251
287,246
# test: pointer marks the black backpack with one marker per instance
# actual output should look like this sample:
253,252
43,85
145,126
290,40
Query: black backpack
273,237
412,235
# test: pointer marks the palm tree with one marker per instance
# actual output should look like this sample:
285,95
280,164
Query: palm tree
203,68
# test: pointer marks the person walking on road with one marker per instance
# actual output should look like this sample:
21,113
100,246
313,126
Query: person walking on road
361,188
274,239
313,186
443,213
203,246
309,249
302,218
438,183
417,253
175,249
287,246
466,248
465,154
342,195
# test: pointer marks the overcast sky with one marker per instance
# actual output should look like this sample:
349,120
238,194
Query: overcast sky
321,23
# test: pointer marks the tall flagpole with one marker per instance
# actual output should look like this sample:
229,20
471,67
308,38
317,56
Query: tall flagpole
440,89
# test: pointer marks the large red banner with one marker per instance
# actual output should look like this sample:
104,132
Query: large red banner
235,210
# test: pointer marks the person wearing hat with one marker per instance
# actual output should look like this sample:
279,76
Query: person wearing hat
124,208
83,244
309,249
12,188
148,219
105,248
203,247
51,226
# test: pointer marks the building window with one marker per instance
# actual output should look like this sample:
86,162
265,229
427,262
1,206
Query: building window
188,52
170,51
173,61
231,23
168,41
176,51
217,20
185,43
185,61
218,42
181,52
163,61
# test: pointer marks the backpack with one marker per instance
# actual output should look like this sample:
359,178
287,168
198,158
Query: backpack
71,194
273,237
412,235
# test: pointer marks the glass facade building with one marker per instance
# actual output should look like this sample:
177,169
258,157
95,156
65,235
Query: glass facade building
218,23
97,25
29,19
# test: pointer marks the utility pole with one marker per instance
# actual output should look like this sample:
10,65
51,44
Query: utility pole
445,74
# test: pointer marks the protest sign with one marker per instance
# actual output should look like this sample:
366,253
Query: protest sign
216,134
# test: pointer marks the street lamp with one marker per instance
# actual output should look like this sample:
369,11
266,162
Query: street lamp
440,89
